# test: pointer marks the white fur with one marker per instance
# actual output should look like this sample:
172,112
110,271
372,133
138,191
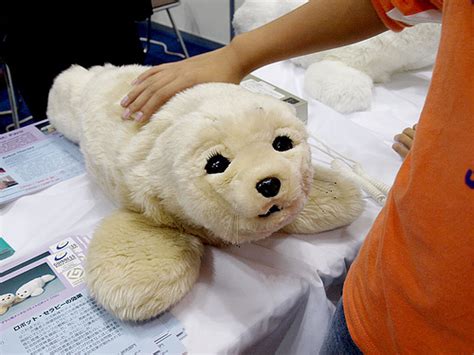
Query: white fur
347,87
144,258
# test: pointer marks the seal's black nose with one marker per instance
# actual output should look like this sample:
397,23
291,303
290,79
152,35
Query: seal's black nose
269,187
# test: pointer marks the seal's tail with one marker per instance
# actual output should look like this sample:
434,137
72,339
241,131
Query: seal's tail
47,278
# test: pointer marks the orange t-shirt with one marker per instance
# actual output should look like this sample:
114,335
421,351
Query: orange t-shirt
411,288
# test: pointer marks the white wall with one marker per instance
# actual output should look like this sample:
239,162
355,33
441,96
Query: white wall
238,3
209,19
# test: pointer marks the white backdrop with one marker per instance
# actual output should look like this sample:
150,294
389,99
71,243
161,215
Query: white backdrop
209,19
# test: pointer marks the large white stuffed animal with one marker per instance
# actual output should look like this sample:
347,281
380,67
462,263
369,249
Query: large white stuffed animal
216,165
343,78
33,288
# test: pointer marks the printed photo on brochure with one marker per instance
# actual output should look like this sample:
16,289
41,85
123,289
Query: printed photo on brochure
45,308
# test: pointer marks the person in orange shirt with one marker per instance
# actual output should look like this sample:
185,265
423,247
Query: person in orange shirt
410,288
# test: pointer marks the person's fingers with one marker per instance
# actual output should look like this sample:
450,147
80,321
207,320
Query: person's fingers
160,93
154,102
140,84
400,149
404,139
132,95
146,74
142,92
135,109
410,132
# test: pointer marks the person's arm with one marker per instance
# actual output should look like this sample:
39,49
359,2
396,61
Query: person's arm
315,26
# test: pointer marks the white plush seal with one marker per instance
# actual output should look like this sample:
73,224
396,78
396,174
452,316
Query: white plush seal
217,164
33,288
6,301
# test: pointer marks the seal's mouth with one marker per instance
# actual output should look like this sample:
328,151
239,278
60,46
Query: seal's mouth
272,210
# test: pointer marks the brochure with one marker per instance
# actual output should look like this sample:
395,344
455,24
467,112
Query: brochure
45,308
32,159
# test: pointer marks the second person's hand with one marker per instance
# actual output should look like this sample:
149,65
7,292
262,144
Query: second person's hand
404,141
158,84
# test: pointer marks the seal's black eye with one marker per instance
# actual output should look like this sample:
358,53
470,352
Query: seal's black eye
282,143
217,164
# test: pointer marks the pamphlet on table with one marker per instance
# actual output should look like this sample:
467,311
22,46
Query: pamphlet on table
45,308
32,159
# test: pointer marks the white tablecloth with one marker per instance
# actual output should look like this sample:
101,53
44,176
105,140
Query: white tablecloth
270,296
